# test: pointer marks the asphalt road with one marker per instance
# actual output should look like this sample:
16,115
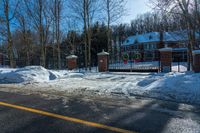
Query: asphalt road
137,115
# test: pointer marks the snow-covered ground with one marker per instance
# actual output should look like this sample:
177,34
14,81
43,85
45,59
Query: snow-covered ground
180,87
181,67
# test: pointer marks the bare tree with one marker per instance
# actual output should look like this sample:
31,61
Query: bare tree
39,13
9,12
72,34
57,9
78,12
24,27
85,10
114,10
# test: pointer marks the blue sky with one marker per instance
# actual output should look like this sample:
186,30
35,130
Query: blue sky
134,8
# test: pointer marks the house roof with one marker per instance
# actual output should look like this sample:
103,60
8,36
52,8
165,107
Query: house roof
142,38
155,37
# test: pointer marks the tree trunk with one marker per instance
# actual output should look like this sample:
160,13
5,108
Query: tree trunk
57,14
108,28
85,36
191,38
41,30
27,49
9,36
26,43
89,36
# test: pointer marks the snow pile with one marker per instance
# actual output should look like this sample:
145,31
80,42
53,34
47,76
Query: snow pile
28,74
185,87
182,87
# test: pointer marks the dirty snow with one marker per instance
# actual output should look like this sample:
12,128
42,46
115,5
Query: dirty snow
179,87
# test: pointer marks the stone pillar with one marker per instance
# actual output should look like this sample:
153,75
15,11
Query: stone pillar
196,61
103,61
166,59
72,62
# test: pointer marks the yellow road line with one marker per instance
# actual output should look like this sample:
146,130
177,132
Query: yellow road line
66,118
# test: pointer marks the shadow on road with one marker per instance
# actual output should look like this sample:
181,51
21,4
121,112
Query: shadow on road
144,119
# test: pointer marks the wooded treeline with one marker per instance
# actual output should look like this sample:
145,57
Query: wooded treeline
44,32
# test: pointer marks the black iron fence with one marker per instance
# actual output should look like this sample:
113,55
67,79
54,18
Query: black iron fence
22,62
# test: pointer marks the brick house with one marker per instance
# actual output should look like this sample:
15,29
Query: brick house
147,45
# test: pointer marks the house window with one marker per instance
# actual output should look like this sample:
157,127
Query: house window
149,56
150,46
153,46
146,46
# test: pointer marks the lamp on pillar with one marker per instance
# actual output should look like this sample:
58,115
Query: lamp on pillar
72,62
103,61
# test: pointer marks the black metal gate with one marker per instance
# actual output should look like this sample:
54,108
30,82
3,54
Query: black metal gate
135,62
179,60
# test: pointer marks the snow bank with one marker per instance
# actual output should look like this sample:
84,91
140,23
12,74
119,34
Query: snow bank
182,87
28,74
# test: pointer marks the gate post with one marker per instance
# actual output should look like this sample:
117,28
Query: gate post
166,59
103,61
196,60
72,62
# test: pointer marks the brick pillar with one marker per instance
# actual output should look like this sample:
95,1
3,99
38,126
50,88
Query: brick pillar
103,61
196,61
71,62
166,59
